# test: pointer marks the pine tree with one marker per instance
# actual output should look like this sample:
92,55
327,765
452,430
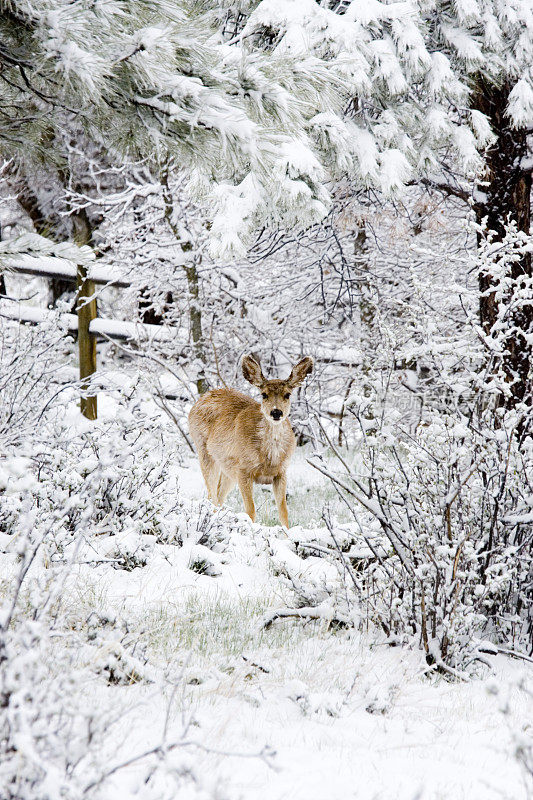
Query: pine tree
438,92
145,79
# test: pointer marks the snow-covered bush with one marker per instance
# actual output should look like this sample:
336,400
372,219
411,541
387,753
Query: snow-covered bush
449,502
452,564
110,480
46,733
521,735
31,362
507,339
58,739
60,732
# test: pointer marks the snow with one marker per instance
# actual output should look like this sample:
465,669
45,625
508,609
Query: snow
27,243
366,150
41,264
52,266
153,647
465,45
387,66
25,313
119,329
337,713
440,74
481,128
289,710
395,170
520,107
466,145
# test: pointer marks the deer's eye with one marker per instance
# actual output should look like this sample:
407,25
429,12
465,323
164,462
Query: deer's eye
264,395
286,396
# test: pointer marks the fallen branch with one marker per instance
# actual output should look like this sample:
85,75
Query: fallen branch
308,612
492,650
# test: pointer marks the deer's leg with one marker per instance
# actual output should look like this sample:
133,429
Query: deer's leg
279,487
246,485
210,471
225,485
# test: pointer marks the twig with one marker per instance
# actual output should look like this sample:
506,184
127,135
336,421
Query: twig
391,533
163,404
265,754
255,664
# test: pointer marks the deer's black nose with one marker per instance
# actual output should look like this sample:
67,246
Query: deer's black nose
276,413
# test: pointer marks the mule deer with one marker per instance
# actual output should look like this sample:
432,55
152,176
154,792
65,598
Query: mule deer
241,441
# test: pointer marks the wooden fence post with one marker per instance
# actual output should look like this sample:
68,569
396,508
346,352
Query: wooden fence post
86,340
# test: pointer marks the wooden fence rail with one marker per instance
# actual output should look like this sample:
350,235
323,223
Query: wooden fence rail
85,321
105,328
50,267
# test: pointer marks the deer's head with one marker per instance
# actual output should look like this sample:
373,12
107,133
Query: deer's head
276,394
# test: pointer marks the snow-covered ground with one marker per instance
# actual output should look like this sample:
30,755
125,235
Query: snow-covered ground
178,661
328,715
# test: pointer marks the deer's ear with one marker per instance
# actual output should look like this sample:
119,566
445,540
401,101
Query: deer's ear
252,371
300,371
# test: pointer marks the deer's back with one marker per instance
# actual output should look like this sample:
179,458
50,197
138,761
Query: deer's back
222,405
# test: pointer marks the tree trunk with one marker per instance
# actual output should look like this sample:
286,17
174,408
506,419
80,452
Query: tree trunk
195,319
86,311
3,289
367,316
29,202
193,285
506,195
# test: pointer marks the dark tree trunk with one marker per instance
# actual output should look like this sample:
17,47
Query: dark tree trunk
505,195
29,202
2,281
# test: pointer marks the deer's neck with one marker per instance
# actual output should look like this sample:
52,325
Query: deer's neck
274,441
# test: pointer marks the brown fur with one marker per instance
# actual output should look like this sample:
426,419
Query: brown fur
238,441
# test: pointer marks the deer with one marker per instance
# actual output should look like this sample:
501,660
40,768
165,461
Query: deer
239,440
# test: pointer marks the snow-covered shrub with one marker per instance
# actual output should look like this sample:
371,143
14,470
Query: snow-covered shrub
507,341
114,657
109,480
59,740
48,739
452,561
31,363
47,732
449,502
519,690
